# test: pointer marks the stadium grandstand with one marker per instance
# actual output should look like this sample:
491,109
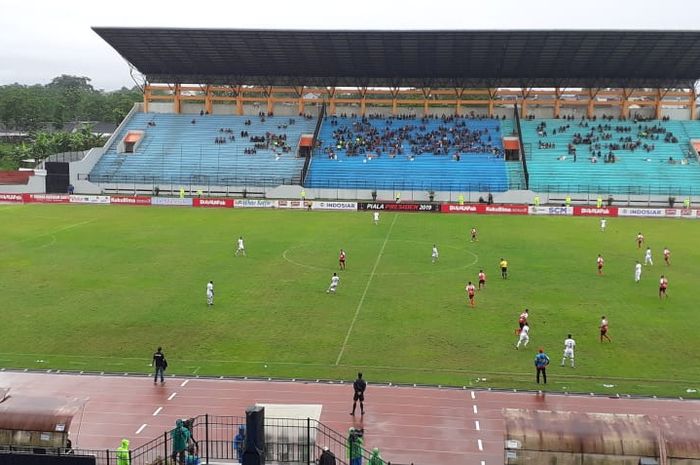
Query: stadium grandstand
347,114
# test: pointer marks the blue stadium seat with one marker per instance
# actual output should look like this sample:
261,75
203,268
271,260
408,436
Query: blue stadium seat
475,171
175,151
634,172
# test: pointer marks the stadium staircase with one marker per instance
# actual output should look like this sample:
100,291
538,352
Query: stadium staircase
175,151
516,175
424,172
634,172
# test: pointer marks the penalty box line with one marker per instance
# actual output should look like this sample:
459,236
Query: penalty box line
364,294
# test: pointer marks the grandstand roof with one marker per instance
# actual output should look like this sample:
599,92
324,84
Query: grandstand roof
583,58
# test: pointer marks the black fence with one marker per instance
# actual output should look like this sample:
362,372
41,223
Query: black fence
290,441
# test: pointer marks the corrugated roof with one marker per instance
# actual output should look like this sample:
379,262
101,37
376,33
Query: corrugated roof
519,58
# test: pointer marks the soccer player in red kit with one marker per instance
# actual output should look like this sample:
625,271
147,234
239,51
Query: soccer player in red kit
341,259
663,285
600,262
471,290
667,256
640,240
482,279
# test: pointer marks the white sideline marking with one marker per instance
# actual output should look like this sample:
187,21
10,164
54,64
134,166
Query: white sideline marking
483,462
481,446
473,395
184,382
64,228
478,426
475,409
364,294
138,431
196,370
157,411
172,396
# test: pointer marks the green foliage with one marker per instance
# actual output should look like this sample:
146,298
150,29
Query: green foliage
97,288
64,99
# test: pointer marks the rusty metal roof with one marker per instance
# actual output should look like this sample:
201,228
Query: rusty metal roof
38,413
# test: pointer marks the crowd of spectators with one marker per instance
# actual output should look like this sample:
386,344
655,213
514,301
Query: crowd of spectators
406,135
604,139
269,141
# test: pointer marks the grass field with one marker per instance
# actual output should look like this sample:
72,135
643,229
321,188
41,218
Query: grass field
98,288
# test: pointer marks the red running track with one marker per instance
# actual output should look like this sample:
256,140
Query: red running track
425,426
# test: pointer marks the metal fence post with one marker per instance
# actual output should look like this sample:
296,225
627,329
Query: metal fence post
165,446
308,441
206,435
107,454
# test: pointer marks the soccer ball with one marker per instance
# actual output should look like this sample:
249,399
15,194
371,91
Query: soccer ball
328,291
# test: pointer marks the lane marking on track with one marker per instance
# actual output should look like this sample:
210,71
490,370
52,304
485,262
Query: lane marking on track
475,409
480,444
138,431
477,425
364,294
172,396
157,411
184,383
483,462
473,395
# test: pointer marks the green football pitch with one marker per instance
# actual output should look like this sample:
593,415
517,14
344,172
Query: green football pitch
98,288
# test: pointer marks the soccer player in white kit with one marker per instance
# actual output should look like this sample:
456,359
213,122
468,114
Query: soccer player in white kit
376,217
335,279
524,337
210,293
435,255
603,222
647,257
569,345
241,247
637,272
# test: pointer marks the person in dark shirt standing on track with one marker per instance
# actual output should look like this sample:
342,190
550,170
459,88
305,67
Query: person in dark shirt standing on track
359,386
160,364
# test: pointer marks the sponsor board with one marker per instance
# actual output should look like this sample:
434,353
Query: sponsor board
93,199
11,198
551,211
171,201
452,208
347,206
129,200
47,198
505,209
291,204
593,211
402,207
213,203
254,203
645,212
483,209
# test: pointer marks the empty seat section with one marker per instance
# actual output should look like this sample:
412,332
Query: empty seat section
210,151
453,154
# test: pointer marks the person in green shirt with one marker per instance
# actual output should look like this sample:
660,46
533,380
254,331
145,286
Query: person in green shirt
354,447
376,459
180,437
123,456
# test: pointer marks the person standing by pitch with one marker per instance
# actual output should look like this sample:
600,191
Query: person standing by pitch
160,363
359,386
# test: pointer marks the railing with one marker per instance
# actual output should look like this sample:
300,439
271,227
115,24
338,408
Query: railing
317,129
293,441
522,147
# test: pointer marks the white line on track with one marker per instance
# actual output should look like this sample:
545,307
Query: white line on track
157,411
483,462
480,444
477,425
475,409
172,396
184,383
364,294
473,395
138,431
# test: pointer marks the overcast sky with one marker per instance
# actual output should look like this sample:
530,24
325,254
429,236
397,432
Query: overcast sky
43,39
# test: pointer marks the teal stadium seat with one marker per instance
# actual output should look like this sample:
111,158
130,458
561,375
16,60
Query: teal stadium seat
634,172
425,172
175,151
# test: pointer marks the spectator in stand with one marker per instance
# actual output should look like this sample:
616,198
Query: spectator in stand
327,457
